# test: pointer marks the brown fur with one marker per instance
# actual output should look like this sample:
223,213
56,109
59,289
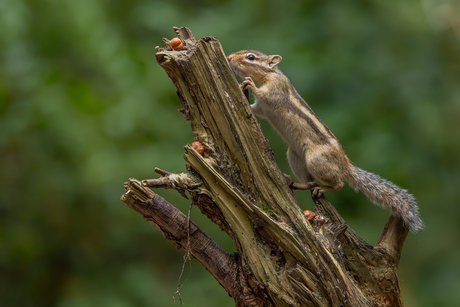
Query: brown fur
314,152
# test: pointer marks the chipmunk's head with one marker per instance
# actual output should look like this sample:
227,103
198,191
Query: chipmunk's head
254,64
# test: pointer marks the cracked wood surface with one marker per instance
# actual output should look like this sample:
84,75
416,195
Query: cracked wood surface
281,259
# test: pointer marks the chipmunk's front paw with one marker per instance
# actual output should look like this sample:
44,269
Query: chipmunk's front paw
247,84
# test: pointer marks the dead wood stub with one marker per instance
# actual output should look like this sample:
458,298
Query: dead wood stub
281,259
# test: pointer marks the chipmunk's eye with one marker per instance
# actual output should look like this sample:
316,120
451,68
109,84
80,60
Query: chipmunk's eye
251,57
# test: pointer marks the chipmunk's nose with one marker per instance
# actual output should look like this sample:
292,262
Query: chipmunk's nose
229,58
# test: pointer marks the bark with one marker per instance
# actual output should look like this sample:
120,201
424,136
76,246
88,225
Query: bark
281,259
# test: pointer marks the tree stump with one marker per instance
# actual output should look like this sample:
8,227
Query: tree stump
281,259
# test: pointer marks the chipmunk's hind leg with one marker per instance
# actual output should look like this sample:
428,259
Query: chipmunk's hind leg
330,186
299,168
325,168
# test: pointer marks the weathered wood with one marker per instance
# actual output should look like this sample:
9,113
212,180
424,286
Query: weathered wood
175,226
281,259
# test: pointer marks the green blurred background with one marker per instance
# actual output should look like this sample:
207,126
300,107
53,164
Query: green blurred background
84,106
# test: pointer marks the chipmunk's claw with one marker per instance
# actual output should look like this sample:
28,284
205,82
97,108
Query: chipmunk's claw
316,192
247,83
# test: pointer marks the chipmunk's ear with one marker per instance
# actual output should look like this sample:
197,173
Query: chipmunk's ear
273,60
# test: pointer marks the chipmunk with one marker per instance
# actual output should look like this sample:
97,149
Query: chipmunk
314,152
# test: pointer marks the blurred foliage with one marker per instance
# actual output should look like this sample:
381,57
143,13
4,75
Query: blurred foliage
84,106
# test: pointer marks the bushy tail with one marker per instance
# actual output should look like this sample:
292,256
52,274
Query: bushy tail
387,194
